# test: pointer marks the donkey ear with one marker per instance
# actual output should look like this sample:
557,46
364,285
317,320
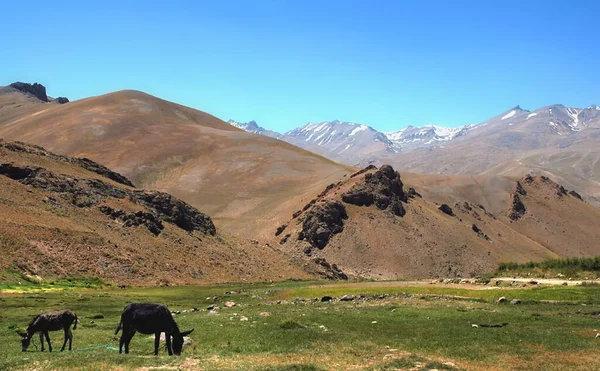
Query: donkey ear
21,334
186,333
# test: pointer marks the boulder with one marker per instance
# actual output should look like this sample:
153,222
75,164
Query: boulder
501,300
61,100
347,298
446,209
515,301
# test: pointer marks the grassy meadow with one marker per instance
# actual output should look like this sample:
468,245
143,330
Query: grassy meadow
394,326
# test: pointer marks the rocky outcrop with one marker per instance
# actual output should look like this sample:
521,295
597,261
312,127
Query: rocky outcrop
82,162
517,208
322,222
330,271
520,190
149,220
37,90
576,195
61,100
382,188
83,192
174,210
446,209
362,171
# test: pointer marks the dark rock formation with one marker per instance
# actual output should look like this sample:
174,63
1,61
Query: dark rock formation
37,90
149,220
280,229
284,239
327,189
322,222
446,209
62,100
174,210
382,188
412,193
527,179
517,209
362,171
520,190
576,195
90,192
331,271
82,162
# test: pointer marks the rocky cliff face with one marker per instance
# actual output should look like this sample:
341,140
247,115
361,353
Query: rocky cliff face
35,89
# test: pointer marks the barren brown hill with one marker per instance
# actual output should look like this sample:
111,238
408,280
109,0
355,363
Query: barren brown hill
69,217
244,181
373,226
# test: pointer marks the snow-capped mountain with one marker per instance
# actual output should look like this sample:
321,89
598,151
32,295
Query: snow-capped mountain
415,137
516,128
252,127
346,142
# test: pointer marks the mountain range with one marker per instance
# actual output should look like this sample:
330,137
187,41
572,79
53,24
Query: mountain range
279,211
540,140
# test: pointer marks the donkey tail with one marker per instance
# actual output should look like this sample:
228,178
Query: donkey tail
119,327
75,324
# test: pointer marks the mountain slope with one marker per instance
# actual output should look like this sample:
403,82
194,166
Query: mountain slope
69,217
244,181
372,226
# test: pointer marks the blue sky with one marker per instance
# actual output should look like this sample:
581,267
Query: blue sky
285,63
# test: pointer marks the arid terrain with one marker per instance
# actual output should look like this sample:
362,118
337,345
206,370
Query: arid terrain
279,211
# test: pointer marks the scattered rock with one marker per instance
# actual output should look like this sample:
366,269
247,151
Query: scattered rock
515,301
326,298
576,195
243,318
229,304
210,307
412,193
347,298
501,300
330,271
364,170
296,214
264,314
213,313
446,209
285,238
322,222
280,229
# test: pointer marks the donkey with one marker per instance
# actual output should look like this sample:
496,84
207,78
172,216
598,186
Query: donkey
50,321
148,318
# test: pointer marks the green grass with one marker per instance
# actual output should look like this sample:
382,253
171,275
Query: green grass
570,267
422,324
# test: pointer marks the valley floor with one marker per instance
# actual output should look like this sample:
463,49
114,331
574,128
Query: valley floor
286,326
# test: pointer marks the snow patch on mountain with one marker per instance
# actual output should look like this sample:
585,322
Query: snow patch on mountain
509,115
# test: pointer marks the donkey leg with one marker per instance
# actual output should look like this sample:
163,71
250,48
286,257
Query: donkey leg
42,340
70,339
48,340
128,340
66,338
169,346
156,342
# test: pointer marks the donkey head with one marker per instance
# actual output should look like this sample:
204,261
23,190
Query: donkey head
25,340
178,341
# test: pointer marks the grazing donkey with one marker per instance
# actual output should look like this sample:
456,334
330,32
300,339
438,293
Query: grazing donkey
50,321
149,318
